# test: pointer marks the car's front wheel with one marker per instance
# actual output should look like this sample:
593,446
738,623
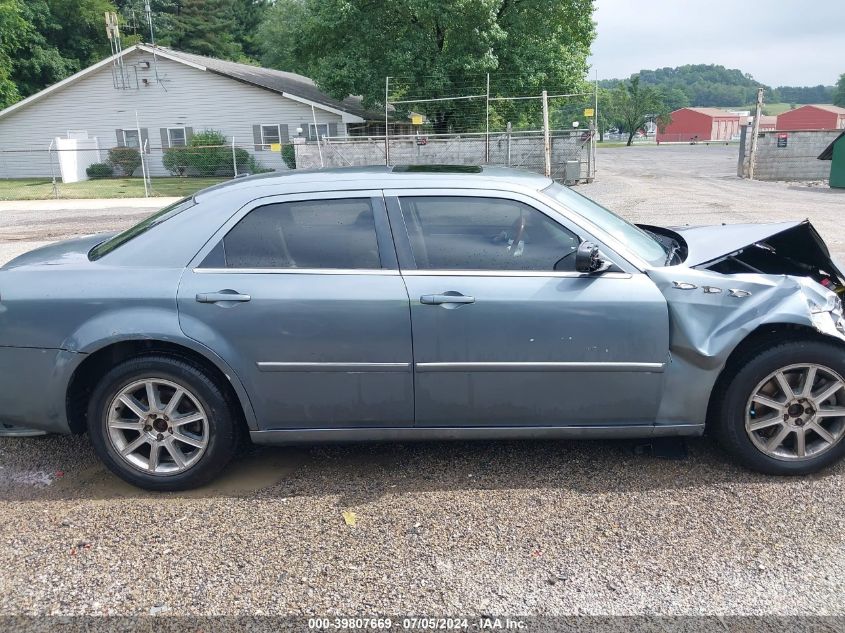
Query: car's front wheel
161,423
783,411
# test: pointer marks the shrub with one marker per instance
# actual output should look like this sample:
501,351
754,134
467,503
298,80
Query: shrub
289,156
99,170
209,155
126,159
175,160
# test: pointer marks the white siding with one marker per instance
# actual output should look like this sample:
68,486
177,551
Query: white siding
186,97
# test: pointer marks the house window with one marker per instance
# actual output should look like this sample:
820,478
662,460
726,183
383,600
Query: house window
319,132
176,137
270,134
131,139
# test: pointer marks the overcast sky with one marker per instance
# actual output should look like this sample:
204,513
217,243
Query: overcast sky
780,42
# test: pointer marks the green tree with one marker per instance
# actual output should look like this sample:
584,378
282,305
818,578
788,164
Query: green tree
635,105
203,27
248,16
13,30
44,41
839,95
431,49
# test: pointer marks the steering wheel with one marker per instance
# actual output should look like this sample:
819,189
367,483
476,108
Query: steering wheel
518,232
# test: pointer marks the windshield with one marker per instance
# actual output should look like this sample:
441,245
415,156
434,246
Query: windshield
104,248
634,238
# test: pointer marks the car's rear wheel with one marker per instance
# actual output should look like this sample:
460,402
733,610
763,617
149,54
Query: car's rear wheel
783,411
161,423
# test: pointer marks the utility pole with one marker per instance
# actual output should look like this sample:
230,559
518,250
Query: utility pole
547,144
755,130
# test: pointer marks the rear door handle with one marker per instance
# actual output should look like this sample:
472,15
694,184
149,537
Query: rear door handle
436,300
222,295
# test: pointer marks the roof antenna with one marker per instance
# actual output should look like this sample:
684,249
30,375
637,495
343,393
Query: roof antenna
119,78
149,13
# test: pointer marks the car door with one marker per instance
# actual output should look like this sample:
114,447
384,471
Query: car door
301,295
506,332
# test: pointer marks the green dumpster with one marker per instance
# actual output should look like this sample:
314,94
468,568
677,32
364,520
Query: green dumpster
835,153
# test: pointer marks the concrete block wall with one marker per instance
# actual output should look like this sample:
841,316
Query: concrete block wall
525,151
797,161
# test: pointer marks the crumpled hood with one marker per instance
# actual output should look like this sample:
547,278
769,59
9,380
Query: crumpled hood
708,243
66,252
793,248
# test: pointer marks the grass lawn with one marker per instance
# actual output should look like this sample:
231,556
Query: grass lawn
42,188
773,109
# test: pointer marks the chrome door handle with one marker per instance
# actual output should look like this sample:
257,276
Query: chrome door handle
222,295
436,300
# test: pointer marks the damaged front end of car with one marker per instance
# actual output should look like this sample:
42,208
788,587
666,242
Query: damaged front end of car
735,282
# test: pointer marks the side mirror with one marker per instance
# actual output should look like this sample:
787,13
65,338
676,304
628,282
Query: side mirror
587,258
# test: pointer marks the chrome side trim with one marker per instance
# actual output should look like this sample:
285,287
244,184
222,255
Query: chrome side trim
542,366
510,273
337,367
404,434
295,271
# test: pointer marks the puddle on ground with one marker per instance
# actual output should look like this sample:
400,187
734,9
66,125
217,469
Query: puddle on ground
250,473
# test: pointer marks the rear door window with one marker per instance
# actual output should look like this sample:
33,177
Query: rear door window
336,233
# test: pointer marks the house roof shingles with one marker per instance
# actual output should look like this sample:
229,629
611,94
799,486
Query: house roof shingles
284,83
275,80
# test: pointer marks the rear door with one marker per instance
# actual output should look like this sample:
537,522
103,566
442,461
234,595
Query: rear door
301,295
506,333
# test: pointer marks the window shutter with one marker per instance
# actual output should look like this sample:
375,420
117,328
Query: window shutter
284,136
189,134
121,142
332,129
306,131
145,139
256,137
164,140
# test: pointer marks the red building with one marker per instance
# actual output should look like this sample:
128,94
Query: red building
700,124
813,117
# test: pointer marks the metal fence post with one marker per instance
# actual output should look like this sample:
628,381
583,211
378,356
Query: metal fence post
547,144
53,170
487,124
317,134
234,159
386,104
143,147
510,129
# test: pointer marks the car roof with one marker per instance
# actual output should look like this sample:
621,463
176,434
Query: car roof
383,177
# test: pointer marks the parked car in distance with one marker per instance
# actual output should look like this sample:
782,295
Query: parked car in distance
416,303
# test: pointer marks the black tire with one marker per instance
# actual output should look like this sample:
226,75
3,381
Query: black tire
744,374
223,426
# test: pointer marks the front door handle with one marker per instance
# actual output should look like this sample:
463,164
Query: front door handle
222,295
446,298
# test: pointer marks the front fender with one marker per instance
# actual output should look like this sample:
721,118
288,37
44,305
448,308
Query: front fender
711,313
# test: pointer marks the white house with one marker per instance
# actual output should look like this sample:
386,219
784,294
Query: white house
172,94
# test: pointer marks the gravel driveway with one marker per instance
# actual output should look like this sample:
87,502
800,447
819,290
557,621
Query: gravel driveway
442,528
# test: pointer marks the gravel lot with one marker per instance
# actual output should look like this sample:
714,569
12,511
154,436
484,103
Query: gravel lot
442,528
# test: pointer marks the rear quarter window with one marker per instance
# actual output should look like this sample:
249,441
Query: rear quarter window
104,248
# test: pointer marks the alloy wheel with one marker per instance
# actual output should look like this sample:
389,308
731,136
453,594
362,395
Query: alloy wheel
158,426
797,412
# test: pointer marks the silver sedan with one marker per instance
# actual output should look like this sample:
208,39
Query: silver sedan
421,303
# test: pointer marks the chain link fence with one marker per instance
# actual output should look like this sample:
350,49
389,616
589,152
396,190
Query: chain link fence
486,120
128,172
571,151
